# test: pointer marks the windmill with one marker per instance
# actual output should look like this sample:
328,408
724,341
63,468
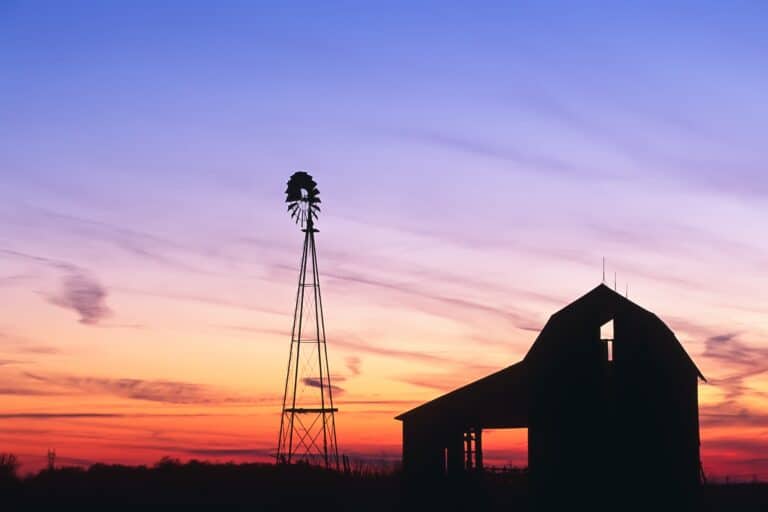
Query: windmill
307,422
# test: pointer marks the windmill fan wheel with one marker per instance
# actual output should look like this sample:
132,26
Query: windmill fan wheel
303,198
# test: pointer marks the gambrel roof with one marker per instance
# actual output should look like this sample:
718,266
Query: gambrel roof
481,399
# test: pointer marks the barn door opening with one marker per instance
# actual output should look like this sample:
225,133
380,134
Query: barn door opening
505,450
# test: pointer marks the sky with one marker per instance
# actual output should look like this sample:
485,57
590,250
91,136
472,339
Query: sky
475,166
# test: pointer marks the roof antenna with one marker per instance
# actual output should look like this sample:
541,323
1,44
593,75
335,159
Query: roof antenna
626,293
603,269
614,281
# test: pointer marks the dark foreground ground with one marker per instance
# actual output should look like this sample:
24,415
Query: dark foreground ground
268,487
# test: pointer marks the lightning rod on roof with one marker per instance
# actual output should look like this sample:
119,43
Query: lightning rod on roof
603,269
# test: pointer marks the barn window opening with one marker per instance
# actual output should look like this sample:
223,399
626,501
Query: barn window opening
606,336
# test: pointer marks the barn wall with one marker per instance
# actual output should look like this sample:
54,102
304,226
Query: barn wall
423,450
601,429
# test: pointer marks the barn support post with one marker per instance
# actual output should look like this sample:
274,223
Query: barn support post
455,454
473,449
479,448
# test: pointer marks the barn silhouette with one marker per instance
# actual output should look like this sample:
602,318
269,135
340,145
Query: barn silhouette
609,418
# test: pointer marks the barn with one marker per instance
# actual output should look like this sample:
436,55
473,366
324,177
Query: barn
609,399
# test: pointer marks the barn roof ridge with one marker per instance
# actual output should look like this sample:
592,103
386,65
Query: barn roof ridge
602,288
562,314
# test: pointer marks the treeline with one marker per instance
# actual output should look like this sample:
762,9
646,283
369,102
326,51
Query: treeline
259,486
171,482
283,487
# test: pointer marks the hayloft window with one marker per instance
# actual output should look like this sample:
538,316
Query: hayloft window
606,336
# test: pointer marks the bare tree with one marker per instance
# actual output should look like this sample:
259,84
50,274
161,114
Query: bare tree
9,464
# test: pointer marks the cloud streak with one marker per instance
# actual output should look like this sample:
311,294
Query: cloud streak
227,452
65,415
315,382
353,365
163,391
530,161
447,381
23,391
517,319
58,415
13,280
145,245
389,352
744,360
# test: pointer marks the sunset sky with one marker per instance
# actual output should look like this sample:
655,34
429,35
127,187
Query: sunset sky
475,166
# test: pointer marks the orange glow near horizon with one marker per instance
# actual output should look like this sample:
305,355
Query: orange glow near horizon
190,363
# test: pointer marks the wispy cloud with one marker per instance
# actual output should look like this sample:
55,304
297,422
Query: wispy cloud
50,262
518,319
379,402
25,391
315,382
353,365
37,349
84,295
13,280
147,246
257,330
745,449
58,415
731,414
677,240
14,344
656,155
79,292
164,391
741,359
485,148
202,299
458,376
352,344
227,452
77,415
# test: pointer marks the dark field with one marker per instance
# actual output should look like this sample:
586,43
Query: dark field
269,487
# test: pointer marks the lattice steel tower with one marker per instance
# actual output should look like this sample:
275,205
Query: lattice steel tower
307,423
